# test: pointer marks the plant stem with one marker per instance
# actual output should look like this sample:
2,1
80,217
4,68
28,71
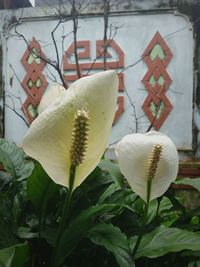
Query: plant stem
144,219
64,218
158,207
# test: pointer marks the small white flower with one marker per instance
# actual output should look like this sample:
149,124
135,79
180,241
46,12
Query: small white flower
134,152
49,137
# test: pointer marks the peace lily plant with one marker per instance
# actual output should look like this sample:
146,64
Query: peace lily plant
149,162
43,224
69,136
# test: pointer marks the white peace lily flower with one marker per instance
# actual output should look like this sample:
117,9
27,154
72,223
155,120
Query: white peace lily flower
49,137
55,91
134,152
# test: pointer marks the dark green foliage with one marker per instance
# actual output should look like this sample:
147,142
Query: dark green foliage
14,160
113,240
102,225
15,256
163,240
187,181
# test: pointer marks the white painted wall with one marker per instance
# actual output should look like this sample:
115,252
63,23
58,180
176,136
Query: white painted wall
133,36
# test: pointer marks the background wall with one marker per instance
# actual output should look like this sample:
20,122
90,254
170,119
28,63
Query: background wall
135,30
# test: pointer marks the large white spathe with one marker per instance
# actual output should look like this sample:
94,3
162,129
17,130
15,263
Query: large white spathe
48,139
56,91
133,153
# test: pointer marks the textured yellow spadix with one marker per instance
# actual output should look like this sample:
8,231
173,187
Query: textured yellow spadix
79,139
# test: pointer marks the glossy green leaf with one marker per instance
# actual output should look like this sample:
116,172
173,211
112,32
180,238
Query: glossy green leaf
165,205
111,189
5,177
14,160
194,264
25,233
188,181
113,240
189,253
153,205
78,227
15,256
163,240
166,213
114,170
40,188
130,197
7,238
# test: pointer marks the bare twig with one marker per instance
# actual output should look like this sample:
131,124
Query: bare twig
74,13
57,63
134,111
105,38
155,116
15,74
19,115
52,63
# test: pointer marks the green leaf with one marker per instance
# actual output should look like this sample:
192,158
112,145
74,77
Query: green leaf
6,236
78,227
194,264
114,170
139,206
15,256
25,233
166,213
40,188
111,189
14,160
165,205
5,177
49,234
130,197
163,240
190,253
188,181
195,220
153,205
113,240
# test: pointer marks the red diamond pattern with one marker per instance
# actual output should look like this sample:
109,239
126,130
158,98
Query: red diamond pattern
34,82
157,81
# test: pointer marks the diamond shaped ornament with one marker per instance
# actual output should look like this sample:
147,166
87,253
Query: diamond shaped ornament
157,81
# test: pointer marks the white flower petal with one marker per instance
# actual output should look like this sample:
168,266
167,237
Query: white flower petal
133,153
56,91
48,140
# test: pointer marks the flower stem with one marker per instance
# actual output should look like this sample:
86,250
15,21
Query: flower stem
144,219
64,217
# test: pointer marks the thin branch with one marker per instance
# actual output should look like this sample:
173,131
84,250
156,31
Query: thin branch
47,61
102,53
52,77
16,76
105,38
54,41
155,116
19,115
74,13
134,110
57,63
14,96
